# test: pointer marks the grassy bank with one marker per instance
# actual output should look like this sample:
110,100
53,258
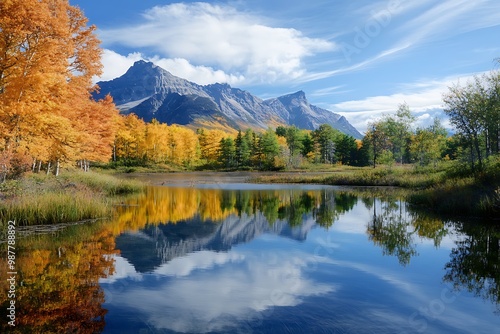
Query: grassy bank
38,199
460,194
464,197
441,190
400,176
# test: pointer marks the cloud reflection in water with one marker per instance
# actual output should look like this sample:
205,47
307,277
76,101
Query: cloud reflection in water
208,291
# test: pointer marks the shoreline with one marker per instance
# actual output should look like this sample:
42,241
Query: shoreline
74,196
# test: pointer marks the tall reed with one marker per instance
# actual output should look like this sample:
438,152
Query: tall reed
74,196
53,208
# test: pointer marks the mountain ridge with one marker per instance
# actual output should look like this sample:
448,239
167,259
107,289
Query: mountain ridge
152,92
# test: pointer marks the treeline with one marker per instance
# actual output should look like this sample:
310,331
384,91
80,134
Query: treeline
392,139
138,143
473,110
389,140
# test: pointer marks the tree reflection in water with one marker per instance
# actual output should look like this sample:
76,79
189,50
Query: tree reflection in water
57,288
60,289
475,261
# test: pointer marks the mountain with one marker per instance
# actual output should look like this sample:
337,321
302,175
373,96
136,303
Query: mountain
307,116
153,246
152,92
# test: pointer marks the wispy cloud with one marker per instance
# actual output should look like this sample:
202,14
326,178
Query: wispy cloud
398,27
356,67
334,90
448,18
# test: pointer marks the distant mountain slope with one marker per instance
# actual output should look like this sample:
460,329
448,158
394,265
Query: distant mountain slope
152,92
306,116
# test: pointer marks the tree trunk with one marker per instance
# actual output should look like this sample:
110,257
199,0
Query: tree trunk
48,168
478,151
57,167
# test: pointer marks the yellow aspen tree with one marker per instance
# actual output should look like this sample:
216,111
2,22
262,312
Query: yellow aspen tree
209,141
130,138
176,146
48,57
191,147
96,126
157,142
183,145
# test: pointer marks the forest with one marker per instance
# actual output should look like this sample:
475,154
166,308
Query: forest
48,119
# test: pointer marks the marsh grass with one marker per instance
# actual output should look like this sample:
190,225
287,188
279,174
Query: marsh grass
464,197
102,183
399,176
75,196
53,208
477,195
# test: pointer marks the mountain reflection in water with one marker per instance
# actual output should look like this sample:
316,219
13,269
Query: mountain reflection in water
270,259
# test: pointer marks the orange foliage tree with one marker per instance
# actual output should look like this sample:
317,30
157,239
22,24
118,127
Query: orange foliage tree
48,56
60,291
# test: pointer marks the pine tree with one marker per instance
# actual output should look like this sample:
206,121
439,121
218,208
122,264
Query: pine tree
227,152
243,149
270,148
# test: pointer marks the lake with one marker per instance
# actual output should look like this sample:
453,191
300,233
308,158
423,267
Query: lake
219,257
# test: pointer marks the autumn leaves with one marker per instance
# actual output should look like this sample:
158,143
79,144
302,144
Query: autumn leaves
48,57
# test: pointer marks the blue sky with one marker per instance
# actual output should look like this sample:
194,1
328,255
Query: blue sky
358,58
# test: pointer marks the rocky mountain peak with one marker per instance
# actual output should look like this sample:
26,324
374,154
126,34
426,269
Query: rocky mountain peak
152,92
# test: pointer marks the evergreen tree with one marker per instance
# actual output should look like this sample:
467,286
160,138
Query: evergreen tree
227,153
243,149
270,148
294,140
346,149
307,144
326,137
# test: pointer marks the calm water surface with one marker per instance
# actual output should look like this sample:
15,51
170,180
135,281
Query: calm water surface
240,258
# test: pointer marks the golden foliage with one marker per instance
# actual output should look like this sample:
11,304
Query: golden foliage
48,58
163,205
168,205
156,142
58,285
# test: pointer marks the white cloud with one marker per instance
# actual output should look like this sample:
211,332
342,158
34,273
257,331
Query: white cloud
245,285
116,65
425,99
201,75
222,37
